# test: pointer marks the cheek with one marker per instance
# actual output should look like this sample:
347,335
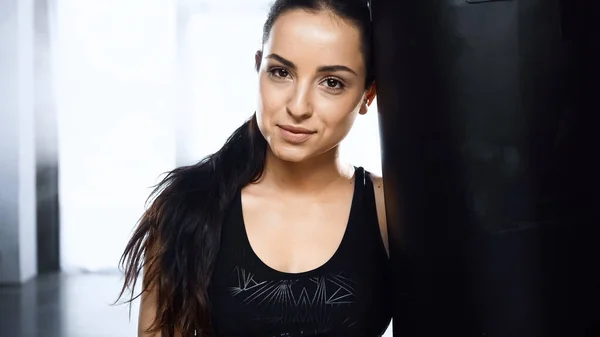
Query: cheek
264,106
267,106
338,125
340,115
269,99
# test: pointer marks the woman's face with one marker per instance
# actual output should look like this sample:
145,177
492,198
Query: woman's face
312,84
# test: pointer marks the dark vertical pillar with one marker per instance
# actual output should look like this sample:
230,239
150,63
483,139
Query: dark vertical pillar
46,143
490,165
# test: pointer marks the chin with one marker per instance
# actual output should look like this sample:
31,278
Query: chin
290,154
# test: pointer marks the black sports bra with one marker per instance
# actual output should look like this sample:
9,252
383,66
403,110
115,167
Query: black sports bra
347,296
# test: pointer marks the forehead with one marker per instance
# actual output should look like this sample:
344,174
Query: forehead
320,38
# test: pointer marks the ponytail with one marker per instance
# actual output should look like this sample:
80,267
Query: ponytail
177,239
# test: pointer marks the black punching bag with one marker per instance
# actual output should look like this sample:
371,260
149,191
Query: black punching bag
490,151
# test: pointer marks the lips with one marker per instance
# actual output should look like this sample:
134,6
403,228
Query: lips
295,134
295,129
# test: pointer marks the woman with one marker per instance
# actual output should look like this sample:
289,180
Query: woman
273,235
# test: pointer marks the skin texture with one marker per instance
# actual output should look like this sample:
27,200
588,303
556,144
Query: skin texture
326,102
296,215
311,74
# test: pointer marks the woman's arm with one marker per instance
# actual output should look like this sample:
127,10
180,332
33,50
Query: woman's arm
147,313
381,214
149,299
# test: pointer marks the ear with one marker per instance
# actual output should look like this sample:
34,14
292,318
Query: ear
258,59
368,99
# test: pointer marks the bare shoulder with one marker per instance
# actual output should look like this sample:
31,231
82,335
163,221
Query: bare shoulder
380,204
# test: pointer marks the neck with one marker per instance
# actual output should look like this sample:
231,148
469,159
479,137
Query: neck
309,176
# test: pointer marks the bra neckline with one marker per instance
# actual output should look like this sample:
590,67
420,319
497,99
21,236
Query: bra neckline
359,177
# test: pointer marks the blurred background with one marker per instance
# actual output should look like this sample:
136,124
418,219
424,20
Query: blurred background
97,99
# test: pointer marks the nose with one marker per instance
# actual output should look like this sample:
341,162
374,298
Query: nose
299,105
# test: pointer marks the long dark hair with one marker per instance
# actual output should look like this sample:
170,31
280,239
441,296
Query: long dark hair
177,239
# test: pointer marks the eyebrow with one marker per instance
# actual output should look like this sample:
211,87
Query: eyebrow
321,69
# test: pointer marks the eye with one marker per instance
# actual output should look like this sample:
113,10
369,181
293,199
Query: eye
278,72
333,84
